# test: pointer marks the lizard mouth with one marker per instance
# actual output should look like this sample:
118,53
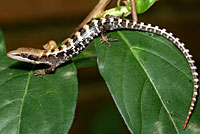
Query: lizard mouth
12,55
18,57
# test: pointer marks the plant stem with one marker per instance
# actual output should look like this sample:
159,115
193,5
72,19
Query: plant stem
99,8
133,10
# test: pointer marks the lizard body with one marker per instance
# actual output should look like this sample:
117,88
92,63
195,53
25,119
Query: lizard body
77,43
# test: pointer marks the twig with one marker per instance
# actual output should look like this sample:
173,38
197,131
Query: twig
133,10
99,8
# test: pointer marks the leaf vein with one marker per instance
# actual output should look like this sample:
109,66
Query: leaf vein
11,79
163,60
143,33
9,103
23,98
6,123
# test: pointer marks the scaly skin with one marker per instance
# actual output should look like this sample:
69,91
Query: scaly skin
73,46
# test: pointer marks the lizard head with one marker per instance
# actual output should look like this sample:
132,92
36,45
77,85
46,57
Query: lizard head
30,55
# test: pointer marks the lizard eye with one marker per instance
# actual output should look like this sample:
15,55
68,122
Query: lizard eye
32,57
24,55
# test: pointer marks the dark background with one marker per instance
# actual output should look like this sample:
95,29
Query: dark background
32,23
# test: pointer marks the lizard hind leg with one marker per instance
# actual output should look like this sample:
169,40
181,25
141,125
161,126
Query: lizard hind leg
105,38
50,45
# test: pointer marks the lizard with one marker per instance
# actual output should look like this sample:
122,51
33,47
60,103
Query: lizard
71,47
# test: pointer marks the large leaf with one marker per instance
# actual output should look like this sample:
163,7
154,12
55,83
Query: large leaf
150,82
36,105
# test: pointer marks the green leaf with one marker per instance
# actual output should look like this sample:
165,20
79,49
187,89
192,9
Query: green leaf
36,105
150,82
143,5
2,44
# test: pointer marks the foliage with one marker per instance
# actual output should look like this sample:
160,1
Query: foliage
150,82
147,76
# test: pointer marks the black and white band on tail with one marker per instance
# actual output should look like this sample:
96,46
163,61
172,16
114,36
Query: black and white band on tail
77,43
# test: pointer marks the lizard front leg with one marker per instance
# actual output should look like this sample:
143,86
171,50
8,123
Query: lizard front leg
42,72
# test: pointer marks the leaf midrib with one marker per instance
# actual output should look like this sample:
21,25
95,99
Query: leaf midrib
23,98
148,76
